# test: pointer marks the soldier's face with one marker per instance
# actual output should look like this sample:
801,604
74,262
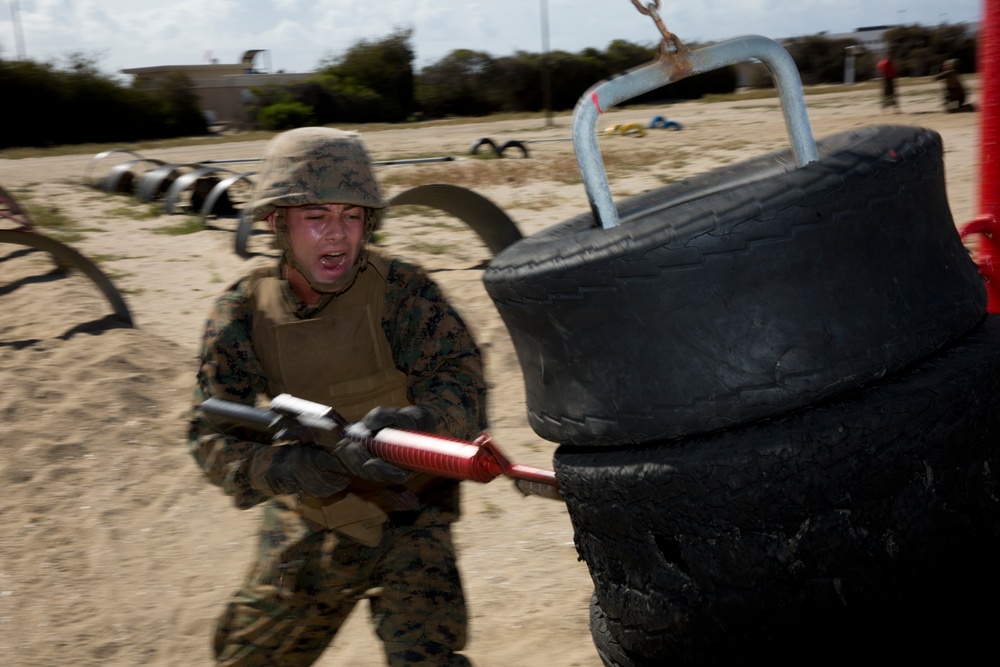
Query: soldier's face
325,239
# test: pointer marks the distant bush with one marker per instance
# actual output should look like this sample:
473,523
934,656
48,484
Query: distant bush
46,105
374,81
285,116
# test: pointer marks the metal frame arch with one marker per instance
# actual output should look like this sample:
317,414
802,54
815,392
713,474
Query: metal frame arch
496,229
155,182
185,181
244,229
112,182
64,256
97,158
219,189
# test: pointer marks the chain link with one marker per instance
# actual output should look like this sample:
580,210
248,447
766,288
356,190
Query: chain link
646,11
670,44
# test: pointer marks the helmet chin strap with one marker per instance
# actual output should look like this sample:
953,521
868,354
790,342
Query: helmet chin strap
340,284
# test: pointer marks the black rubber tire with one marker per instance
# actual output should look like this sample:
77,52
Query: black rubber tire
514,145
868,524
609,649
741,294
489,221
484,141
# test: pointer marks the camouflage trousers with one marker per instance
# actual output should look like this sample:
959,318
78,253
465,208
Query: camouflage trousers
305,583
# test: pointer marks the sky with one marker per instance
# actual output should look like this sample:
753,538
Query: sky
297,35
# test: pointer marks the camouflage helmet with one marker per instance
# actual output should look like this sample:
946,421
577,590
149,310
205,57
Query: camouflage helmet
316,165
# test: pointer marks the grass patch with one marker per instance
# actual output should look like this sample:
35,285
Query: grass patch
492,510
56,224
415,211
450,224
119,212
477,174
102,258
534,204
137,210
186,226
213,140
116,275
49,217
433,248
93,149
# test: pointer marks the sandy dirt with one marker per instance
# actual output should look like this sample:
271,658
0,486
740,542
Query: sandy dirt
113,548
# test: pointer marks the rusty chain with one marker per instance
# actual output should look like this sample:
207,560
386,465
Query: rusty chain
670,44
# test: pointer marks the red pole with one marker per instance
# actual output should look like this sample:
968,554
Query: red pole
986,224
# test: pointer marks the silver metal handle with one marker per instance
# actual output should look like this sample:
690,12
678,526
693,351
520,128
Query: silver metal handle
675,67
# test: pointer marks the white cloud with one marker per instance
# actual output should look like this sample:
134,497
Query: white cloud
298,34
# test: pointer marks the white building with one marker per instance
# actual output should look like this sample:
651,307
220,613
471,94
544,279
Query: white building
222,90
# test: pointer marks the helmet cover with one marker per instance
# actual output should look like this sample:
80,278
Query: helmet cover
317,165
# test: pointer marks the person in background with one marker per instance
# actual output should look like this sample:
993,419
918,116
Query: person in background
954,89
887,70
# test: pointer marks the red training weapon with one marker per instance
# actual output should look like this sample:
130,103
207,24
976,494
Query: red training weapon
291,418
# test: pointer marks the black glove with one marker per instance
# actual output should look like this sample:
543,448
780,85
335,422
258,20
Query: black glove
359,461
361,464
411,417
302,468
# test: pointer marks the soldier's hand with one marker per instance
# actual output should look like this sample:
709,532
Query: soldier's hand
306,469
411,417
361,464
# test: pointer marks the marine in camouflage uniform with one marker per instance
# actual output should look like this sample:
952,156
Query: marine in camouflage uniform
392,545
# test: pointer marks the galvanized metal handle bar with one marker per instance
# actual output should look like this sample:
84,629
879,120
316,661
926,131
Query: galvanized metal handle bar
607,94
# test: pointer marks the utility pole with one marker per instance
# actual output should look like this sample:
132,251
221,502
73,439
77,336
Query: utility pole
546,79
15,18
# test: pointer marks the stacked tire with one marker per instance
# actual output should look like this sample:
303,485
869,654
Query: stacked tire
776,396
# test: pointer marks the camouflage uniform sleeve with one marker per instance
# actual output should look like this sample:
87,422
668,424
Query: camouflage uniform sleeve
230,370
434,347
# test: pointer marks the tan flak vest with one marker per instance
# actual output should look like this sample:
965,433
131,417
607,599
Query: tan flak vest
340,358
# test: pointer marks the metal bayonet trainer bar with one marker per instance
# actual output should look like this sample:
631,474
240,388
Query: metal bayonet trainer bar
480,460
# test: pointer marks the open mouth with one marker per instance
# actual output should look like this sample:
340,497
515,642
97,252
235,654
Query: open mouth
332,261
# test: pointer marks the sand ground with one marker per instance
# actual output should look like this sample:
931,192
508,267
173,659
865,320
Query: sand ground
115,551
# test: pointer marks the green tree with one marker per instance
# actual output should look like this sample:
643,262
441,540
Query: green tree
821,60
920,51
384,67
285,116
573,74
622,56
73,102
519,82
181,106
460,84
